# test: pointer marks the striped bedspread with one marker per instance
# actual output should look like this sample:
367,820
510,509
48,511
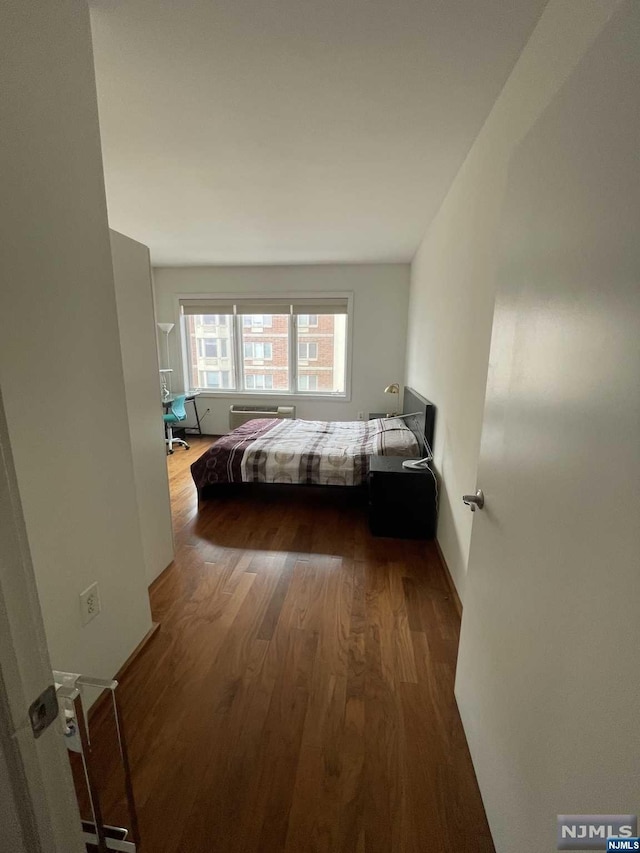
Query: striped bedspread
322,453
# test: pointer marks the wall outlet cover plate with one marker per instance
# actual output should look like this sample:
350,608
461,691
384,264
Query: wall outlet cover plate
90,604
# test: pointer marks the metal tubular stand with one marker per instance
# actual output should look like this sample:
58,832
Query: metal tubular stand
100,835
134,832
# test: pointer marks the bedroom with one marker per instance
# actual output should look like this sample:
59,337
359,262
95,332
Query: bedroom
465,175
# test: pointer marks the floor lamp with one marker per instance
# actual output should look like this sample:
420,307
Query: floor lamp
165,374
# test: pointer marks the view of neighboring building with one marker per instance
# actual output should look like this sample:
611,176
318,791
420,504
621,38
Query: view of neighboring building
267,352
211,355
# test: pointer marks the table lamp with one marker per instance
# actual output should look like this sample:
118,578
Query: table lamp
394,388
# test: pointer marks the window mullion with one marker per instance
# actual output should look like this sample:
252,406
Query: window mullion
293,353
239,351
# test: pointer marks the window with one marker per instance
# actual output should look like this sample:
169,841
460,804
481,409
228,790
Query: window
277,345
254,381
201,345
307,319
308,382
215,379
213,347
307,350
258,349
326,346
257,321
267,343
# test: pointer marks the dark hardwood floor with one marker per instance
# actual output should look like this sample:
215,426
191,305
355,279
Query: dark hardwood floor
298,696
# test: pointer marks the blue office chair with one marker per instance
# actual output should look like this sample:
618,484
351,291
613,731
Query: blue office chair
178,413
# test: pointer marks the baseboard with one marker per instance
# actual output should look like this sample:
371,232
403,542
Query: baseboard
449,579
159,577
103,703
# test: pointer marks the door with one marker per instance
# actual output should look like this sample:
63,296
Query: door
547,680
37,802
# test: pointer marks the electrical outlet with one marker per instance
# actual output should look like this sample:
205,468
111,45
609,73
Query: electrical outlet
90,603
360,416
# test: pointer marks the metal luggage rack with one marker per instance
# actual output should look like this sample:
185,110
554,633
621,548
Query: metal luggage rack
97,835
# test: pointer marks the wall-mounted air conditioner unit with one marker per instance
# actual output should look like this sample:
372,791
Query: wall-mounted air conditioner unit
239,415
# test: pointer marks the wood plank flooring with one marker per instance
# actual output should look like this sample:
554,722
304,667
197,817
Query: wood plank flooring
298,696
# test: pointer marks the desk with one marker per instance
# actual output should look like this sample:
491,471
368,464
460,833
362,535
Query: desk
189,398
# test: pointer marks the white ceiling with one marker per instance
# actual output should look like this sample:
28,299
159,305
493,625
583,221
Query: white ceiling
293,131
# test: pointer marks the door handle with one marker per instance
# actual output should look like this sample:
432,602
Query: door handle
473,501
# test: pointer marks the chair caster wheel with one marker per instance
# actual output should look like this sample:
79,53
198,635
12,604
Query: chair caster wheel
170,453
187,447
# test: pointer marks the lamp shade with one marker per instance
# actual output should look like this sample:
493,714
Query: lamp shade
394,388
166,328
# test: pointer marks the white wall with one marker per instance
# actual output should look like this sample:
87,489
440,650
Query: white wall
379,325
60,363
453,273
134,302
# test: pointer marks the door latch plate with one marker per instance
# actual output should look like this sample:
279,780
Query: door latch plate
43,711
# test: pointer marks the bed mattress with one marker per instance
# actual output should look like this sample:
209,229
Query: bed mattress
320,453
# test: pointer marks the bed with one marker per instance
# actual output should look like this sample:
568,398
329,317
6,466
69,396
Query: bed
312,453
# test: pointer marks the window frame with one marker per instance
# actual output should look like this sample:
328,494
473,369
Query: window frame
236,344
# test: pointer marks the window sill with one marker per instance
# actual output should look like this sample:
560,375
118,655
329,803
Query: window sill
263,396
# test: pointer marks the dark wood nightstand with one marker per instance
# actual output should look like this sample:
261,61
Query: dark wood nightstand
402,501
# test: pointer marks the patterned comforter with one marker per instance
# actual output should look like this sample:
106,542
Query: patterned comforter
319,453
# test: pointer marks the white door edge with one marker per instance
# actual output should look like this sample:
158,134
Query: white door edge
41,802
